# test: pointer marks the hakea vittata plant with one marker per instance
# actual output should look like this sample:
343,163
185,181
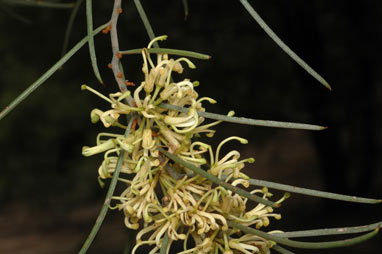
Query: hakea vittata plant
163,197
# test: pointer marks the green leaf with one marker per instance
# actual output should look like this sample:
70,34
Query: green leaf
185,6
330,231
248,121
315,193
304,245
110,191
36,3
218,181
282,45
70,26
163,248
281,250
176,52
93,57
47,74
146,21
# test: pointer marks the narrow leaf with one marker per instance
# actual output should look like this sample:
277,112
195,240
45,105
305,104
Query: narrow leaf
177,52
110,191
281,250
70,26
315,193
146,21
247,121
185,6
282,45
218,181
14,14
47,74
304,245
35,3
330,231
163,248
93,57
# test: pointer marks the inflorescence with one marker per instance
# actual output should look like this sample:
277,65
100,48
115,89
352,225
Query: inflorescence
162,196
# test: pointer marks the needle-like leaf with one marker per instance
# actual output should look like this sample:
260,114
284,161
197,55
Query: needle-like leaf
218,181
281,250
304,245
109,194
185,6
93,57
163,248
248,121
282,45
316,193
330,231
146,21
176,52
47,74
36,3
70,26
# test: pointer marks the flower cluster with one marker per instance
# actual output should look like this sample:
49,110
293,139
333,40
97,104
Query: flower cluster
163,197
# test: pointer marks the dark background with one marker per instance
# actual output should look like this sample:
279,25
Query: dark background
49,192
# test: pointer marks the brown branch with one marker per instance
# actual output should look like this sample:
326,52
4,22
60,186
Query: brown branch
118,73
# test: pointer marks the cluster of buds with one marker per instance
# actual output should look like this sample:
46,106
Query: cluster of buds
164,198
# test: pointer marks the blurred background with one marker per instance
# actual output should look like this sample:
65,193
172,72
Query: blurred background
49,193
